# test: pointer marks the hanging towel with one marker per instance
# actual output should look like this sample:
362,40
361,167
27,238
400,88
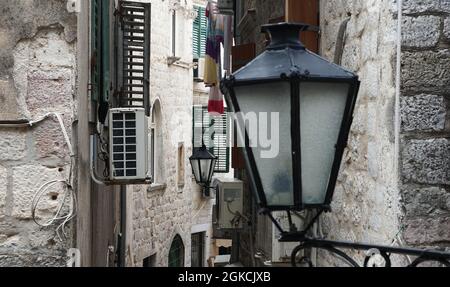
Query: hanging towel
216,102
212,74
212,57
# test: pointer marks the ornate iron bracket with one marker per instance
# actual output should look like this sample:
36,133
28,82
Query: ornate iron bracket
376,255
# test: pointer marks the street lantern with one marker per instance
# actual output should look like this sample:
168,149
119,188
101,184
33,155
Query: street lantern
315,100
203,163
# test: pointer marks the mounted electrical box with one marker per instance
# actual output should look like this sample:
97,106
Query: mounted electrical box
229,203
128,146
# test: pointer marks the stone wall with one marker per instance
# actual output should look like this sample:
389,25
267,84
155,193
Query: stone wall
366,203
37,76
425,104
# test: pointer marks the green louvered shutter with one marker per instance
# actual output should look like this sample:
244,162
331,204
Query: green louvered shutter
95,47
100,46
106,52
217,140
199,33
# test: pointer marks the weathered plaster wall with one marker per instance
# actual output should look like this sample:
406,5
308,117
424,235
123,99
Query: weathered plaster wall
37,76
366,204
425,151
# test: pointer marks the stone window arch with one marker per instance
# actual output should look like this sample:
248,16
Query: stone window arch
176,252
156,145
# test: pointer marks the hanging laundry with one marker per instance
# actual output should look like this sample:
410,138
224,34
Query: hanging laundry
216,101
213,41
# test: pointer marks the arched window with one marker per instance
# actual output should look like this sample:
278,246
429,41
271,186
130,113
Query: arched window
176,252
156,145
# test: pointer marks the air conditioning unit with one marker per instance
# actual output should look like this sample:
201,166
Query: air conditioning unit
226,7
229,203
129,138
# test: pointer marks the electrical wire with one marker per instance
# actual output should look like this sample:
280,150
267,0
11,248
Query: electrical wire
61,217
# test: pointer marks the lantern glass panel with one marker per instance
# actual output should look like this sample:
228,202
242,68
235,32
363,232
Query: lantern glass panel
195,163
267,111
322,107
206,166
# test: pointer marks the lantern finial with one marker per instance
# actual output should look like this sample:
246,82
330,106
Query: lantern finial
285,35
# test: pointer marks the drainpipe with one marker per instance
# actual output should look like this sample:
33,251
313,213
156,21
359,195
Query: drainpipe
397,118
123,226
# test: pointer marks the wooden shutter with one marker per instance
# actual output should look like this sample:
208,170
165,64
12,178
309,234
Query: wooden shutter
135,34
199,33
217,141
305,11
241,55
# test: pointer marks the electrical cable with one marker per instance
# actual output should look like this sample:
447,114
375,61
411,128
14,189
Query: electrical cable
69,195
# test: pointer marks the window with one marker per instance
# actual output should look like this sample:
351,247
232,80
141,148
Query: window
156,145
199,33
214,131
176,252
197,249
181,164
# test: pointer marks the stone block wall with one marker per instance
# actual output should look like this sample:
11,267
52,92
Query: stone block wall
425,104
37,76
366,203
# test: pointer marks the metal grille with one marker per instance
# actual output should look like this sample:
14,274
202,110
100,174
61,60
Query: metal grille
124,144
136,52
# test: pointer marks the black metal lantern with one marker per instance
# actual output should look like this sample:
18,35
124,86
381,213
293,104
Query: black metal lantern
203,163
315,100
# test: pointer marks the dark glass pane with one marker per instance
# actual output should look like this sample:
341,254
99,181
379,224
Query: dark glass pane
118,125
118,149
131,164
131,132
118,141
118,133
131,156
130,124
119,165
131,148
131,140
130,116
131,172
117,117
120,172
118,157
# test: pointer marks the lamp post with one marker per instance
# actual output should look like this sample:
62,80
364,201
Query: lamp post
314,102
203,163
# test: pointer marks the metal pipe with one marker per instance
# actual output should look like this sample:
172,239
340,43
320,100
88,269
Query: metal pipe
92,151
123,226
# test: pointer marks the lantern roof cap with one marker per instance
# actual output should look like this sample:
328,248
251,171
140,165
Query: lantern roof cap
202,153
287,57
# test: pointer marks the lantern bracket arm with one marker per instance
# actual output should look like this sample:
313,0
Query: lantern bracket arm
376,255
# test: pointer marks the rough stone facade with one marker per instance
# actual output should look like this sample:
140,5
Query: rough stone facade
366,202
388,193
37,76
425,154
